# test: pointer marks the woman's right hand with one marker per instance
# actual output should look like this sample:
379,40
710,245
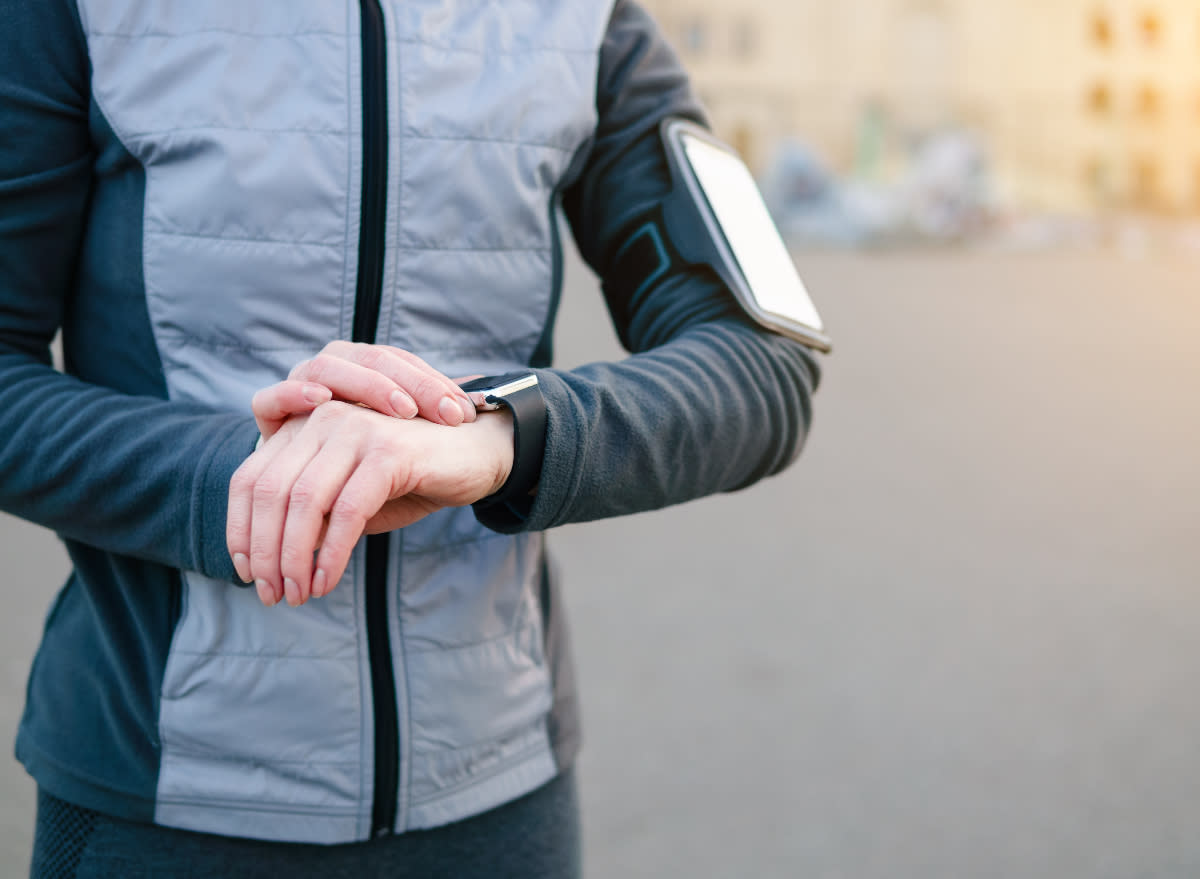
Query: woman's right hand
387,379
327,478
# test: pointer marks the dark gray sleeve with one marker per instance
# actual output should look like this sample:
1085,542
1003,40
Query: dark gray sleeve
708,402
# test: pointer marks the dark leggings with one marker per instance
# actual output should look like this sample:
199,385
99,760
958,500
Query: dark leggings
535,837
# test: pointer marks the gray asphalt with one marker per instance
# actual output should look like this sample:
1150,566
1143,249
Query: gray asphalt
959,639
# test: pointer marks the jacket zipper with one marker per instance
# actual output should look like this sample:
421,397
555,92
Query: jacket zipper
366,322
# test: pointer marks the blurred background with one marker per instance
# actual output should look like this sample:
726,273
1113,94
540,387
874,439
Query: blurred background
961,637
1025,123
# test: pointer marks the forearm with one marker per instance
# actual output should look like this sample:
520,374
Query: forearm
720,406
657,429
131,475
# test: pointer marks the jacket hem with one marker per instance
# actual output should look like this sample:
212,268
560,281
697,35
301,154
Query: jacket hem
72,788
513,782
323,826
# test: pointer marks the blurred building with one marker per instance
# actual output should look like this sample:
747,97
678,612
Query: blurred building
1083,104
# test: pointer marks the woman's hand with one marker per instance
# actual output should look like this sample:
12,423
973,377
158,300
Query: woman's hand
325,479
386,379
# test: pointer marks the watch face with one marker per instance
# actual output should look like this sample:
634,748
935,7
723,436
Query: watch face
500,384
489,392
479,384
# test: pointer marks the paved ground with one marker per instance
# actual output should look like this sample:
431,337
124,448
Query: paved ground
960,639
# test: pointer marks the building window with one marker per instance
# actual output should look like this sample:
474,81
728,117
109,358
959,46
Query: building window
695,36
1099,99
745,39
1145,182
1149,102
1102,35
1151,28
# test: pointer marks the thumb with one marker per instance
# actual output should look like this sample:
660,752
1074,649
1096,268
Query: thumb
276,404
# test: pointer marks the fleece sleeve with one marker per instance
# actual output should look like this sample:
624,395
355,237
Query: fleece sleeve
708,401
139,476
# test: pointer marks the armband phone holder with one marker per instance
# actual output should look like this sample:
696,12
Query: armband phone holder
715,216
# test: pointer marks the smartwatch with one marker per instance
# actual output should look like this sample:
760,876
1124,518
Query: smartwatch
520,394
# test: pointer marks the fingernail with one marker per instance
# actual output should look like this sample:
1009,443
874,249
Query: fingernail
317,394
241,564
318,587
265,593
292,591
403,405
450,411
468,409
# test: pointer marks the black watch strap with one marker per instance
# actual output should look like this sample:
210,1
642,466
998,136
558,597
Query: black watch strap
519,392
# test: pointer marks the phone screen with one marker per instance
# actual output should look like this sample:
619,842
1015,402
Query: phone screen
742,215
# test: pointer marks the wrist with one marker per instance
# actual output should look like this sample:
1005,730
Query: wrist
496,429
518,395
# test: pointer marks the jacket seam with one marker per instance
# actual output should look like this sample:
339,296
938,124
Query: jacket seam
242,761
135,35
436,248
161,233
256,656
302,346
499,52
420,248
222,345
424,645
159,132
211,803
123,137
464,138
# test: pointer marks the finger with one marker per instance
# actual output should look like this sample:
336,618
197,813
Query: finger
450,385
270,498
313,496
274,405
240,508
356,383
364,493
438,398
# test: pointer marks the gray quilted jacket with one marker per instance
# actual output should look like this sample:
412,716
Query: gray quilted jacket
200,195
